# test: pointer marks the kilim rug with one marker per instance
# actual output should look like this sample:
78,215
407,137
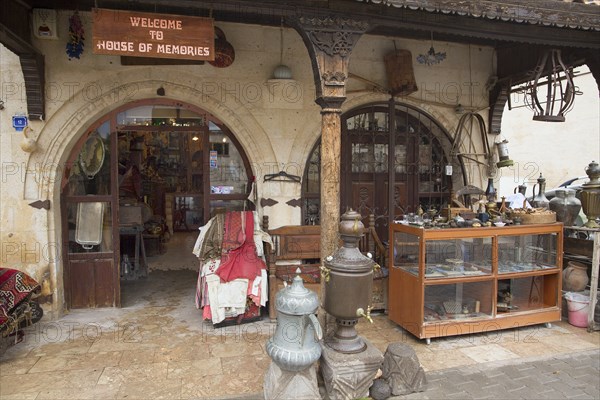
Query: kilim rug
15,288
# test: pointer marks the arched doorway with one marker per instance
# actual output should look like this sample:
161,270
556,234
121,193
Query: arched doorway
137,186
421,152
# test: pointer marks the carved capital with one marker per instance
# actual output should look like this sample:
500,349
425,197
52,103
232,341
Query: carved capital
333,35
330,41
337,78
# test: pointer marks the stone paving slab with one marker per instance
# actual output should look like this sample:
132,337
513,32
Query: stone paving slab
565,376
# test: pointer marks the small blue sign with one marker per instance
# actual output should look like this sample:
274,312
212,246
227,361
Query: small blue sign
19,122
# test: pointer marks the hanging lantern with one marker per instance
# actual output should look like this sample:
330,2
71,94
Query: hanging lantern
282,71
552,91
504,159
431,57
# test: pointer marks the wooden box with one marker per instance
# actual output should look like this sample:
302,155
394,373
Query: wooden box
465,212
130,215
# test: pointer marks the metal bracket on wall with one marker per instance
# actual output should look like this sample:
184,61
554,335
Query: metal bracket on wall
45,204
267,202
294,203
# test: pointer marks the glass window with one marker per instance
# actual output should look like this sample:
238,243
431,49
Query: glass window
227,170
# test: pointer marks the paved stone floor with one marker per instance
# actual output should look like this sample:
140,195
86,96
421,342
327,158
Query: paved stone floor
157,347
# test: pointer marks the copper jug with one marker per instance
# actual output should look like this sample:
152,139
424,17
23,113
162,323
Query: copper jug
540,200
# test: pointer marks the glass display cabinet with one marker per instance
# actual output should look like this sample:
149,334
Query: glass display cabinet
458,281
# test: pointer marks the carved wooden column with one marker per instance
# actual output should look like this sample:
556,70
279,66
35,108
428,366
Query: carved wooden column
330,41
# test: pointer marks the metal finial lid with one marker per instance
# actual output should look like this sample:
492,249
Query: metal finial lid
351,224
298,284
296,299
541,179
592,170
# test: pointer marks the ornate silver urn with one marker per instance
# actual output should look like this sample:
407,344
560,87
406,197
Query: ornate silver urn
348,278
295,344
590,195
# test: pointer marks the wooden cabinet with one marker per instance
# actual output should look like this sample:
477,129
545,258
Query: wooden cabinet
445,282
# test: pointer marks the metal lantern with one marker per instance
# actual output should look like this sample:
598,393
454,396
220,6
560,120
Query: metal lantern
348,278
552,91
504,159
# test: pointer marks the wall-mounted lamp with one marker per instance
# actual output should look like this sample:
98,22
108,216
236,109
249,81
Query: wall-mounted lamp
160,91
195,138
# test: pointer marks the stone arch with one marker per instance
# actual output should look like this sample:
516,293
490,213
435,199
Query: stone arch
63,129
435,114
61,133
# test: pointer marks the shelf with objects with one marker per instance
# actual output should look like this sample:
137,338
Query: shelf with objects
456,281
582,246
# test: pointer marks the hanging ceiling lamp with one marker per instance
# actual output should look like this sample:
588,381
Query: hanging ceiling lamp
431,57
551,93
282,71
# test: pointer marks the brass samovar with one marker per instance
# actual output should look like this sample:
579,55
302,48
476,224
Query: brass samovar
348,276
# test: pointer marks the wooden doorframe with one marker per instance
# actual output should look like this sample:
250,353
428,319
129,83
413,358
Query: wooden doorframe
112,199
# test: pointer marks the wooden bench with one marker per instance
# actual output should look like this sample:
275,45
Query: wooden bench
299,246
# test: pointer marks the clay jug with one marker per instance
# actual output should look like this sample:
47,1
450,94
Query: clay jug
566,206
575,277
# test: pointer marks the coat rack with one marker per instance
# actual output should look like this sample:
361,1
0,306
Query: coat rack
281,176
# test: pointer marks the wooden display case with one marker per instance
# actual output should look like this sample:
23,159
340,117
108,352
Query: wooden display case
445,282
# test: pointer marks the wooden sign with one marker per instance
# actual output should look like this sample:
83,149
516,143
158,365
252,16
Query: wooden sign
137,34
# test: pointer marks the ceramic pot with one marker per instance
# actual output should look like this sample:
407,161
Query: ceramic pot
566,206
575,277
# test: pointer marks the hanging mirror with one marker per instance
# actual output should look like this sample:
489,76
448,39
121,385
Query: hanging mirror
92,155
88,227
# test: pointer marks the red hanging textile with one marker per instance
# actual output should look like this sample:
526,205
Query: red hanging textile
238,256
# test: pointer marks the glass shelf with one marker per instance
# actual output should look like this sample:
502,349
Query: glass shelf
526,253
458,301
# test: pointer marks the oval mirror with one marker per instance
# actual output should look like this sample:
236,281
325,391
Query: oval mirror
92,155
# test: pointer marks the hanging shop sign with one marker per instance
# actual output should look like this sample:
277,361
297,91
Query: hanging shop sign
137,34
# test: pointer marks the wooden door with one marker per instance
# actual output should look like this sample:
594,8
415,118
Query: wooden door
89,205
414,155
365,168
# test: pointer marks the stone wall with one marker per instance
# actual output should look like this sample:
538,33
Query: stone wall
276,121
